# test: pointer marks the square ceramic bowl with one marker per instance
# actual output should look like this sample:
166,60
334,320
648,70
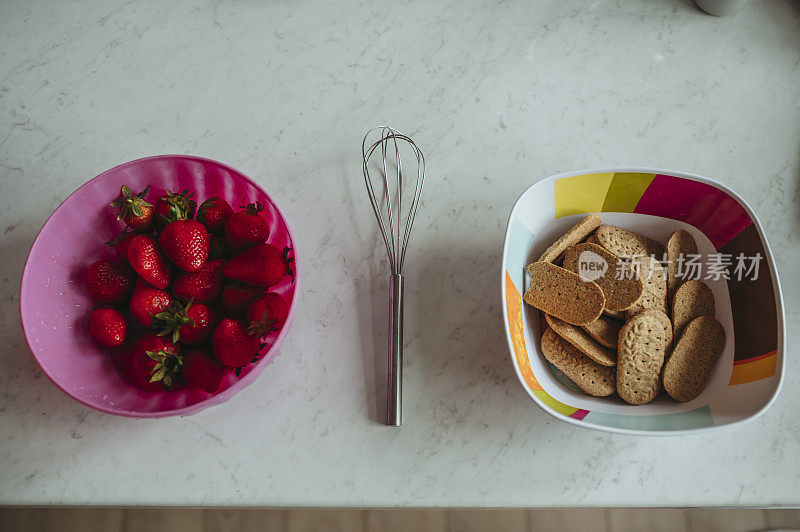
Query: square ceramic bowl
748,375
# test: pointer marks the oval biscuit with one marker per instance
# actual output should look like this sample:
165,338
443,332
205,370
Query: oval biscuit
563,294
605,330
689,366
692,299
585,343
621,291
654,294
625,243
576,233
587,374
680,244
641,350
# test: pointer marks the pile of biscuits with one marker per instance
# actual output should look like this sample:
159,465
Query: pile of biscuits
614,334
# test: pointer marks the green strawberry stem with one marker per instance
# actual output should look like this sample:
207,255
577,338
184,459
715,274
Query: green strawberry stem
181,205
252,208
288,261
167,365
172,319
130,204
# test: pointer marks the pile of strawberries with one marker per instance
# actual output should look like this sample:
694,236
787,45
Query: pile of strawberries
187,300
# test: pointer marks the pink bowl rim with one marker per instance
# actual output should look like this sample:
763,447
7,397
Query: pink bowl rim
214,399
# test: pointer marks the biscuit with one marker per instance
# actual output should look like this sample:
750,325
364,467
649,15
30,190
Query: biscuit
689,366
627,244
680,244
605,330
585,344
621,291
691,300
665,321
577,232
563,294
592,239
587,374
654,295
641,349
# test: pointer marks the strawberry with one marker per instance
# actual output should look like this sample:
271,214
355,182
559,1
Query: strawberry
121,243
110,282
150,363
148,261
171,207
214,213
237,296
192,324
108,327
134,210
267,314
147,301
186,242
233,345
262,265
201,370
217,248
246,228
203,286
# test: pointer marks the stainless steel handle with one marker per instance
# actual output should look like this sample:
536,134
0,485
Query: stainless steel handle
394,390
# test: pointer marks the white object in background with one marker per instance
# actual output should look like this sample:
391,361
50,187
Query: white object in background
720,8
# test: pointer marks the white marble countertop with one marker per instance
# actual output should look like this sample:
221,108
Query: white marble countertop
498,95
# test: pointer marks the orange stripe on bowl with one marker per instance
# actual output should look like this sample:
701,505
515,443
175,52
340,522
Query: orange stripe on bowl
754,369
514,306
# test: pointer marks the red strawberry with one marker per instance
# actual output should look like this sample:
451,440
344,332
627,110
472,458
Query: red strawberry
262,265
267,314
134,210
214,213
108,327
110,282
186,242
201,370
171,207
233,345
121,243
246,228
148,261
203,286
217,248
150,363
147,301
192,324
237,296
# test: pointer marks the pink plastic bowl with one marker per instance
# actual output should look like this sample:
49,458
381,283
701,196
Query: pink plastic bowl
55,306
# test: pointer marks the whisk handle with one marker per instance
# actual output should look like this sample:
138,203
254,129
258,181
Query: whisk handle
394,391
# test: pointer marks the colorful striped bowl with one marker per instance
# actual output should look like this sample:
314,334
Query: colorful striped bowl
748,375
55,306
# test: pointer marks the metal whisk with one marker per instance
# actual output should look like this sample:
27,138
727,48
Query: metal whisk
395,227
